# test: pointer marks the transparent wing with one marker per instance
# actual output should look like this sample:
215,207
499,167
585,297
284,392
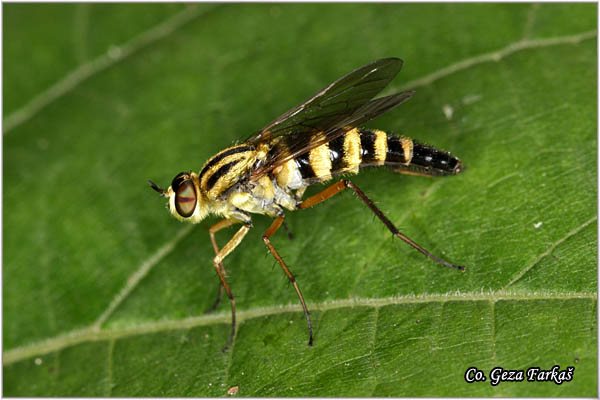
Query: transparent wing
336,102
344,104
296,143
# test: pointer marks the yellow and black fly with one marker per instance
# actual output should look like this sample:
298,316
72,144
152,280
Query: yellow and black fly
311,143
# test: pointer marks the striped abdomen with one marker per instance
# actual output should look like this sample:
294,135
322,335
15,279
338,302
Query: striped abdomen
359,148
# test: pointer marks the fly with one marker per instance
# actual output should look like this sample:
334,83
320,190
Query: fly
312,143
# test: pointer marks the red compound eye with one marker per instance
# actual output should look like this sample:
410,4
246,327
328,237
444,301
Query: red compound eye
185,198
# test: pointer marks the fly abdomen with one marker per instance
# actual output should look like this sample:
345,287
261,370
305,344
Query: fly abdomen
409,156
356,149
404,154
360,148
338,156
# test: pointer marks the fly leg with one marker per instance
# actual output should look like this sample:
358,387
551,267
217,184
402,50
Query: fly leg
214,229
218,264
341,185
272,229
289,233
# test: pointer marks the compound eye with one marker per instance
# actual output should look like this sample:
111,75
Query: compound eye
179,179
185,198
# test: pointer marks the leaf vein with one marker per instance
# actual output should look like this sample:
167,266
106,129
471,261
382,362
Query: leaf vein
102,62
372,356
530,22
109,367
548,252
90,334
493,56
139,274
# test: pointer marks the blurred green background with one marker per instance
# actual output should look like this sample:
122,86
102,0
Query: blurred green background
104,293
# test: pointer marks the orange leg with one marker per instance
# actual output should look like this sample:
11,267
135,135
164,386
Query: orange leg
218,264
214,229
270,232
341,185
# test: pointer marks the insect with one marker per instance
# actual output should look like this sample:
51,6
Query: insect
311,143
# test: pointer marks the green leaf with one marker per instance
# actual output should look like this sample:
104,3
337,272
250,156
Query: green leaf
105,294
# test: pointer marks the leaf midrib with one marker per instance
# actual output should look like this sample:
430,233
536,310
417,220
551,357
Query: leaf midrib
91,68
92,333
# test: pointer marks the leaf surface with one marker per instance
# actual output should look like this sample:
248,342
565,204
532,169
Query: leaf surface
104,293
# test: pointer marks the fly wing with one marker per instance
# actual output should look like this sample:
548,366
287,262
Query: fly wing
372,109
297,143
336,102
342,105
